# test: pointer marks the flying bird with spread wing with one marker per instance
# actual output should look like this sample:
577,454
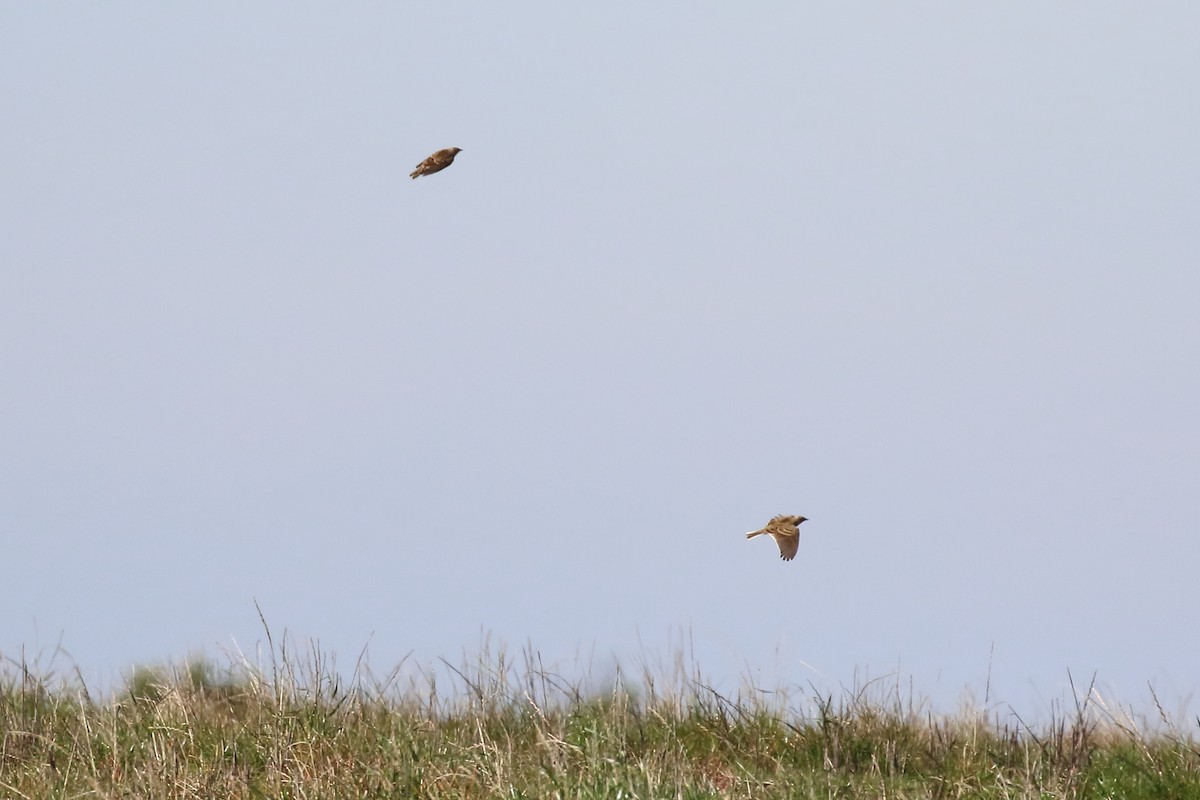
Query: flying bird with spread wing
785,530
436,162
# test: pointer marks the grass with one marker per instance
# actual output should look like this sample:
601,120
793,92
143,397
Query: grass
492,728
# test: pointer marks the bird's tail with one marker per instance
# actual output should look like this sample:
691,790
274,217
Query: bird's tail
752,534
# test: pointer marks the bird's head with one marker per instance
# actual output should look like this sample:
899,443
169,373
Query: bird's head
801,519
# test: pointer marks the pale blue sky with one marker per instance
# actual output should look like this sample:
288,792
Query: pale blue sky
925,273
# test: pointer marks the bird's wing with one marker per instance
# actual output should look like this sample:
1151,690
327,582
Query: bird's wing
788,543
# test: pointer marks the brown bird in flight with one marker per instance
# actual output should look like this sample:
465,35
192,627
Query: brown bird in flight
436,162
785,530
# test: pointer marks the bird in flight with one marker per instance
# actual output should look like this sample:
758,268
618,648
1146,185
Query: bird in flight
436,162
785,530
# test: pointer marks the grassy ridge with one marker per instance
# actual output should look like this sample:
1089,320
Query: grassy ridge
292,730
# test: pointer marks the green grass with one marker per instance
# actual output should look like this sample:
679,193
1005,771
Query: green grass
492,728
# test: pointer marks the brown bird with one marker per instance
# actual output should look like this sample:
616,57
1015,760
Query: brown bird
436,162
785,530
